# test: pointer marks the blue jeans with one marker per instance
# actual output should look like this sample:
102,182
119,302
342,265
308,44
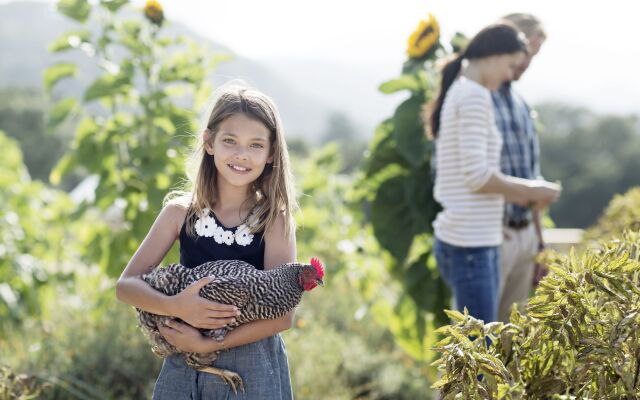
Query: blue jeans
473,274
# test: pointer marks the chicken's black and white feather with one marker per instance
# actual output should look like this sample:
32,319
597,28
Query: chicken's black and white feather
256,293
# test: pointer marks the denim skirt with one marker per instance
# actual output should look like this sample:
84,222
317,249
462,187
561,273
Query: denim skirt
262,365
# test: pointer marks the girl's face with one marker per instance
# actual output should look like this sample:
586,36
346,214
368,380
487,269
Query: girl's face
502,68
241,149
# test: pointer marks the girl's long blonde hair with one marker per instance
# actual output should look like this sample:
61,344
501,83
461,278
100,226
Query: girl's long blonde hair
272,193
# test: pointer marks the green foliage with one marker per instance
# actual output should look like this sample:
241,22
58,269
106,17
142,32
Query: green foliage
133,129
55,73
88,346
19,387
337,351
622,214
37,239
70,40
131,132
409,82
579,338
23,118
409,132
113,5
61,111
594,156
332,227
75,9
397,185
341,328
85,344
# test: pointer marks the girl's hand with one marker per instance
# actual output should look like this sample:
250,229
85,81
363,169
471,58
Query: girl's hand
184,337
199,312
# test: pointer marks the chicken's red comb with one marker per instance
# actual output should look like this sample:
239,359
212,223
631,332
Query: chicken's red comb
318,266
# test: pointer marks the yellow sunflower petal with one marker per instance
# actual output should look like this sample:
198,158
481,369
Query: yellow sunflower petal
424,38
154,12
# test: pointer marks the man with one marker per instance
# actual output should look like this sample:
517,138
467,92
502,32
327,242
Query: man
520,158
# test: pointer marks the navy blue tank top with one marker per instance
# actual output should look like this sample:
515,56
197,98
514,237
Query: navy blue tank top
214,241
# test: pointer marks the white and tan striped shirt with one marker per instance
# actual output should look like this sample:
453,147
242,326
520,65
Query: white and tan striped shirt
467,154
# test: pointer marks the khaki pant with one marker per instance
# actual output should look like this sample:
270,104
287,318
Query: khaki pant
517,253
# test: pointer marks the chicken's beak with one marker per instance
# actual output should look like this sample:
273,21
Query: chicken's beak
320,282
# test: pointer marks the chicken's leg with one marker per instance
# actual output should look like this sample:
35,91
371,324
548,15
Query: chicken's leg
227,376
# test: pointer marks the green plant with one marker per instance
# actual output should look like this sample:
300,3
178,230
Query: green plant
84,344
396,188
22,117
37,237
622,213
579,338
353,322
136,119
339,351
18,387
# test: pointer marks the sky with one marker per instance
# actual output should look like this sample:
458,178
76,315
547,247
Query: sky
590,58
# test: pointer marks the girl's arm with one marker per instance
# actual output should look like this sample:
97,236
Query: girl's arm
278,250
187,305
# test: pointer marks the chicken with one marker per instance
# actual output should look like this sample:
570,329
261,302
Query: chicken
257,294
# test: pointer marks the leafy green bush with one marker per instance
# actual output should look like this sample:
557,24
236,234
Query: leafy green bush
579,339
37,239
86,345
338,352
345,331
19,387
622,213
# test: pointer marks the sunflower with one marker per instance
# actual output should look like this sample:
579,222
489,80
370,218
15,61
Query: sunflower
153,11
424,38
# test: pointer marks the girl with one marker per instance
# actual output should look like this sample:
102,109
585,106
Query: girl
240,207
468,183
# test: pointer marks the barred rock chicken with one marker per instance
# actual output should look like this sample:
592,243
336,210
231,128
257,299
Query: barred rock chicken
257,294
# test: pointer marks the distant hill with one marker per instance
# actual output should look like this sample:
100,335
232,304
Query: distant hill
27,28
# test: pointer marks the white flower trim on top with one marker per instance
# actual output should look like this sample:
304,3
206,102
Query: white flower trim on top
206,226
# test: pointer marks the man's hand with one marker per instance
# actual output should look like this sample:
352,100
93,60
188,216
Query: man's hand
540,271
540,268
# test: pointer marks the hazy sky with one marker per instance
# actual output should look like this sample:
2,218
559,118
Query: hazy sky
590,58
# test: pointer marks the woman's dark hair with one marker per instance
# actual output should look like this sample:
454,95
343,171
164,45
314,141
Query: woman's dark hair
496,39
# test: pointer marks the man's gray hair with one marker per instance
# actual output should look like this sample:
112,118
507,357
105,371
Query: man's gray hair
529,25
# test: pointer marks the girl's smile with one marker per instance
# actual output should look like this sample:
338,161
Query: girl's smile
239,169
